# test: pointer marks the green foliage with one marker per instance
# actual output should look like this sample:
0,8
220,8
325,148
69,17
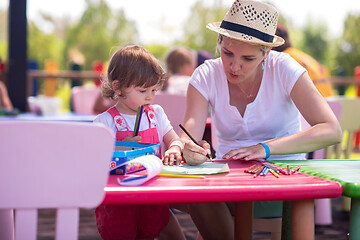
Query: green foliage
97,32
100,31
348,48
196,35
315,41
42,46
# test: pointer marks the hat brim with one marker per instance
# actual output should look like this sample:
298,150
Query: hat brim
277,41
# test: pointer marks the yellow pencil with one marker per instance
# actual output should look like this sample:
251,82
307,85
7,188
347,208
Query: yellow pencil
274,173
180,175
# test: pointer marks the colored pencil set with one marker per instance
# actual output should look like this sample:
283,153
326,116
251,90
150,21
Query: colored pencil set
265,167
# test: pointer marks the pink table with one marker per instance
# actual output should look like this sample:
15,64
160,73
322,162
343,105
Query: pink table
236,186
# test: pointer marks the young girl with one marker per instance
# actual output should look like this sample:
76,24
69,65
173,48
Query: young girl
133,77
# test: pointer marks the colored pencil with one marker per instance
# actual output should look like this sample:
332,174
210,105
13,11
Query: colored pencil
187,133
274,173
137,121
259,171
180,176
128,179
295,169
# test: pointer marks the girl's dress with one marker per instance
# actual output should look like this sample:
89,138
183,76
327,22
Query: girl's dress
129,221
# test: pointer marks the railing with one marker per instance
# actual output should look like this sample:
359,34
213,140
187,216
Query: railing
71,75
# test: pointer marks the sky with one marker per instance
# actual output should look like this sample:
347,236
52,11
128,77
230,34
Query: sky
151,14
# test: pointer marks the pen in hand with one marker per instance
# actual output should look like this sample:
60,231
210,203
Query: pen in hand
187,133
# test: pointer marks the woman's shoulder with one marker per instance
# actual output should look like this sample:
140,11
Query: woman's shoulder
211,64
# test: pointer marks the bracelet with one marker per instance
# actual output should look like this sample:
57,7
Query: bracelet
177,143
267,149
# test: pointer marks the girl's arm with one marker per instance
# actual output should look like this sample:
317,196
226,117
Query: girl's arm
196,113
175,146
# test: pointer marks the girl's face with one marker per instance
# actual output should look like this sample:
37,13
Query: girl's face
241,61
136,97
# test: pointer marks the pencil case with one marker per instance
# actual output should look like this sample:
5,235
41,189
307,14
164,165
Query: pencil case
126,151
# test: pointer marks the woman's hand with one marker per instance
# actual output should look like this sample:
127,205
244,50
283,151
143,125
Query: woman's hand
194,154
247,153
172,155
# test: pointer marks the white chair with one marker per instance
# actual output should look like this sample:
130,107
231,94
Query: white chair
84,98
46,165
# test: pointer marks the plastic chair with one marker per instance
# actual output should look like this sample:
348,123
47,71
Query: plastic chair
349,122
174,106
46,165
323,206
83,99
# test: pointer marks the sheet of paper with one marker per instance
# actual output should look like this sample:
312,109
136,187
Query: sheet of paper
202,169
153,165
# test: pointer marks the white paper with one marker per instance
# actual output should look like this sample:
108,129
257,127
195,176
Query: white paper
153,165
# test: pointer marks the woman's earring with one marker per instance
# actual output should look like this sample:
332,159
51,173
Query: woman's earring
262,64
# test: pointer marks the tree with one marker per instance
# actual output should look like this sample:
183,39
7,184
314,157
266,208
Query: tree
348,47
196,35
42,46
315,41
98,32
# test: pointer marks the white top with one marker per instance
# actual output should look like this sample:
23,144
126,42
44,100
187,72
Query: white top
271,115
163,125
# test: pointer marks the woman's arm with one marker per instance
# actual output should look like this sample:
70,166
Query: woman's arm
324,131
196,113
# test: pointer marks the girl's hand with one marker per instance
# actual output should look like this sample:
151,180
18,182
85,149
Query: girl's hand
194,154
132,139
172,155
247,153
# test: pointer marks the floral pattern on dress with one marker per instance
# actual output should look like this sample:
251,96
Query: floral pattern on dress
151,116
119,122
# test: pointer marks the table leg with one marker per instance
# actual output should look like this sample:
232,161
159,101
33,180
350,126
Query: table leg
6,224
243,220
303,226
355,218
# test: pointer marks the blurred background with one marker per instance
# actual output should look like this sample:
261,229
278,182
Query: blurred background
81,35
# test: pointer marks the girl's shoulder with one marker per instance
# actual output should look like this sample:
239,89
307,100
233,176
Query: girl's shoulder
158,110
104,117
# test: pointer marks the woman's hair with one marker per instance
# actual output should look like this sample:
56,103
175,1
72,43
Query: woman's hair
132,65
220,39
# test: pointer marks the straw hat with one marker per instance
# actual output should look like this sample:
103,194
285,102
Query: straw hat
250,21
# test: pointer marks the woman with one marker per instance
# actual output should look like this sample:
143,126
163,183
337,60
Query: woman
256,96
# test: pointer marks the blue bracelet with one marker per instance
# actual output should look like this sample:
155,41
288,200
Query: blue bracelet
267,149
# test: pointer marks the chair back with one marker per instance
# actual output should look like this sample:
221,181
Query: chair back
337,109
84,98
44,165
174,106
349,122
